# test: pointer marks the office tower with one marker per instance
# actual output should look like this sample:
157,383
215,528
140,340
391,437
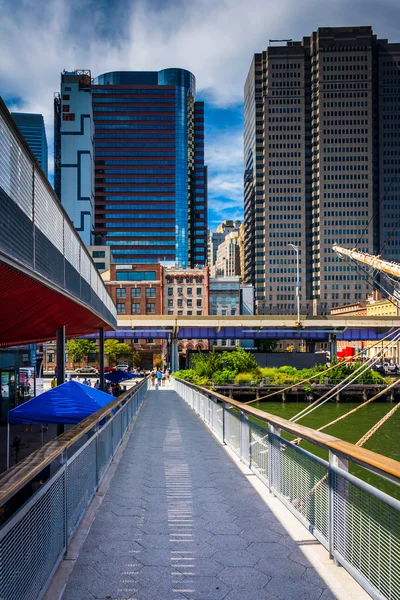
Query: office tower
33,129
320,126
74,150
150,195
215,238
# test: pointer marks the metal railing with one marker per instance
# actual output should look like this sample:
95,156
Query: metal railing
34,539
357,523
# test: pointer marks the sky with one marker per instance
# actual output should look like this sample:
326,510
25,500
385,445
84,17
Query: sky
214,39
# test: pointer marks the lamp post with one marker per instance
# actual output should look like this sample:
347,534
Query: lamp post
296,249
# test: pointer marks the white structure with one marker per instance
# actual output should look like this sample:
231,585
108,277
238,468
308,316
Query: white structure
215,239
74,156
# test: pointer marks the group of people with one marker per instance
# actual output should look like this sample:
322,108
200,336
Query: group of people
159,377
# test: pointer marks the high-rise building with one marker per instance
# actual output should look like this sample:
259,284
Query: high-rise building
32,128
228,256
215,238
150,178
74,150
321,138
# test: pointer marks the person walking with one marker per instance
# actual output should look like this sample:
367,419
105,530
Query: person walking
53,382
159,377
153,378
97,384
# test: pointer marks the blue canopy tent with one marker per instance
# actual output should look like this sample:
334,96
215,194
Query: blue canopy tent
67,404
118,376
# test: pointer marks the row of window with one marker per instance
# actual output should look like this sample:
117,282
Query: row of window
136,292
135,308
189,302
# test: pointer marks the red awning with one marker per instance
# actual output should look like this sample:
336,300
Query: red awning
31,312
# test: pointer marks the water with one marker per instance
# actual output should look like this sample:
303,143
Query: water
385,441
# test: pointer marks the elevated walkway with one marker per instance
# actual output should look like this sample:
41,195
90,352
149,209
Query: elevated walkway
181,520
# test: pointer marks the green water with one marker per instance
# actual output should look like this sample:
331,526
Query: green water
385,441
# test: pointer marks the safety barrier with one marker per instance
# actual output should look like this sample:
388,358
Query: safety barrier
34,539
357,523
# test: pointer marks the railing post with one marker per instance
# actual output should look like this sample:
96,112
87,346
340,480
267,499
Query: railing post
244,439
340,489
64,463
223,422
273,469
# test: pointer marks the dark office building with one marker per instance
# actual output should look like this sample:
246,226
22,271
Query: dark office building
150,178
33,129
322,143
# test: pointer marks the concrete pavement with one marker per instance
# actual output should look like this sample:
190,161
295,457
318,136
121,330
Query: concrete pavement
180,521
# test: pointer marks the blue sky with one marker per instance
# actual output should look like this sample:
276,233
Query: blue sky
215,39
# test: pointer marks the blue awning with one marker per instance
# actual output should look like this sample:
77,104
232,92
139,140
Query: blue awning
68,404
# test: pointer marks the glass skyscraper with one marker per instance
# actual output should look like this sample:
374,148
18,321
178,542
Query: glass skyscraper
150,178
32,128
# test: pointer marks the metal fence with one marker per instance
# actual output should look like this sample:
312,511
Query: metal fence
35,539
356,522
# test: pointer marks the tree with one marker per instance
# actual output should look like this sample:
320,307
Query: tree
79,348
113,348
239,360
136,359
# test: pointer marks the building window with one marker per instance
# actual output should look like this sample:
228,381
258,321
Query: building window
100,265
233,311
170,312
65,97
189,291
136,276
65,108
150,340
198,302
50,357
190,302
189,312
150,292
180,291
180,313
135,308
121,292
170,291
120,308
223,312
199,291
135,292
69,117
199,313
150,307
223,343
170,302
99,254
180,302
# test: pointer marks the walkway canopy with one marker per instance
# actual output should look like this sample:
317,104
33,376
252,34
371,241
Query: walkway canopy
68,403
48,279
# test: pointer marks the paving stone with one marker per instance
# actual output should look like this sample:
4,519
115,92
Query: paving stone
264,549
280,567
236,558
172,469
244,577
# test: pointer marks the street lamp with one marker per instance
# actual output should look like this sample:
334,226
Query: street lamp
296,249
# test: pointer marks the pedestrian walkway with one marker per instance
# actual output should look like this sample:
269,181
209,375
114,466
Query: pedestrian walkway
180,521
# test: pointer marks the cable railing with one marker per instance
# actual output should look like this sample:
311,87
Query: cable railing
44,497
356,522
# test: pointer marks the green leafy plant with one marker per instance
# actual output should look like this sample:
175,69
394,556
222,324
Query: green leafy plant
113,348
79,348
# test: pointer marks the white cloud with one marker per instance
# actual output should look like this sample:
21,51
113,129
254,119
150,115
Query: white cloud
215,39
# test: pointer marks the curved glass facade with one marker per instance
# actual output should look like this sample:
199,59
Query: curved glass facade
154,107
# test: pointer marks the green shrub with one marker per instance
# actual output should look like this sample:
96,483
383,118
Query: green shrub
239,360
223,376
244,378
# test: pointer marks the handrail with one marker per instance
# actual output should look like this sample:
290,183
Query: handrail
20,474
363,457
